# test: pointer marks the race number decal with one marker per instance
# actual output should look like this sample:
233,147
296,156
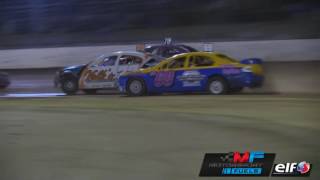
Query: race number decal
163,79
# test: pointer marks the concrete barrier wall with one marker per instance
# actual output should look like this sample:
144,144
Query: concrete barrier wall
279,50
291,66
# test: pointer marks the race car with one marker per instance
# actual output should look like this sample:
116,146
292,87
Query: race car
101,73
168,50
4,80
157,53
194,72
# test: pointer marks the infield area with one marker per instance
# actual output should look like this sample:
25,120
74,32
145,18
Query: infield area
152,138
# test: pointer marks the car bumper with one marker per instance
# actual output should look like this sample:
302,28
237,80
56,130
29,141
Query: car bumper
56,80
246,80
4,82
252,81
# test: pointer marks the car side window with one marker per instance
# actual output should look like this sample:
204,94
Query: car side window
136,60
130,60
108,61
177,63
200,61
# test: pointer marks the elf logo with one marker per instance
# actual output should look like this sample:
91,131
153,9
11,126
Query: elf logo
292,169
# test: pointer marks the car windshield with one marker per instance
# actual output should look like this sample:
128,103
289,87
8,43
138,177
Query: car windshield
97,60
104,60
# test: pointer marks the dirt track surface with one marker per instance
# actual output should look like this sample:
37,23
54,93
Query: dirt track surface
155,137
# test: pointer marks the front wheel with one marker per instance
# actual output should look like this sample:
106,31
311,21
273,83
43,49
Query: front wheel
217,86
69,86
136,87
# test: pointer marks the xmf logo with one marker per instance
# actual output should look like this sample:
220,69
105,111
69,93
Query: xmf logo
246,157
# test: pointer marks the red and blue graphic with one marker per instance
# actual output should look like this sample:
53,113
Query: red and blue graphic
303,167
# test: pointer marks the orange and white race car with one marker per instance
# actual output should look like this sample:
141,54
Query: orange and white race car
101,73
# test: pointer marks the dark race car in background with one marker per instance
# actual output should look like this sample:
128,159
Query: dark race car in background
166,51
4,80
158,53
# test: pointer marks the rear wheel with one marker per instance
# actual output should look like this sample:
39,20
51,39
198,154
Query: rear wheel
217,86
136,87
69,86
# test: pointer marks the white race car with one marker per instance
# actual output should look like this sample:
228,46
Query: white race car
101,73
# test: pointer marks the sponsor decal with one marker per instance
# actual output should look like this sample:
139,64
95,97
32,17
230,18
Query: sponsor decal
191,78
292,169
254,163
92,78
163,78
230,69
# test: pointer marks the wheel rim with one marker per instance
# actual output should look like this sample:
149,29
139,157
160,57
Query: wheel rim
216,87
69,85
135,87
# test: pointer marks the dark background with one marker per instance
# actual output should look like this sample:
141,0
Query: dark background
38,23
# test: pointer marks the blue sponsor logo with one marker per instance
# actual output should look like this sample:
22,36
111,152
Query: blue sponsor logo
240,171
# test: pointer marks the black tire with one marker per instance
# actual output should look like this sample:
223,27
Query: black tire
136,87
90,91
217,86
69,86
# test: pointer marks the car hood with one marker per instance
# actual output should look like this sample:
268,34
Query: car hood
76,68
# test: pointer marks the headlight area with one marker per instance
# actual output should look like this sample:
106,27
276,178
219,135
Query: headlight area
246,69
252,80
254,68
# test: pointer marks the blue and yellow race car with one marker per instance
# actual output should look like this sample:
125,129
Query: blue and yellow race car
194,72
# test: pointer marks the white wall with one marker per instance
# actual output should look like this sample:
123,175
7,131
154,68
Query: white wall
275,50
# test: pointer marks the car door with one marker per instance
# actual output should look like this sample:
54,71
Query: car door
99,74
127,63
165,80
195,76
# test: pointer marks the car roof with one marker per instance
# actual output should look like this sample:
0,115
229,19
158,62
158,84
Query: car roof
196,53
181,47
128,53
